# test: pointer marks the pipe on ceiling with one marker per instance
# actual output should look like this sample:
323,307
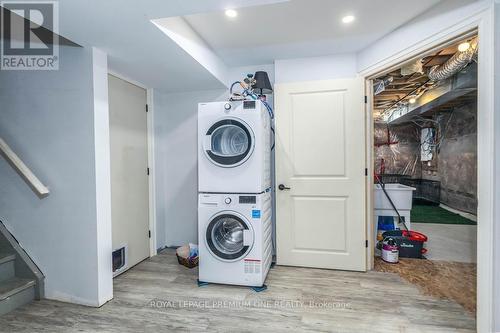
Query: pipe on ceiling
455,64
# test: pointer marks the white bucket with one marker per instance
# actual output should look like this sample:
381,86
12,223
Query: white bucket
390,251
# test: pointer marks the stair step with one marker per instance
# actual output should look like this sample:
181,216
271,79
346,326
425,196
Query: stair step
14,293
6,257
14,286
7,269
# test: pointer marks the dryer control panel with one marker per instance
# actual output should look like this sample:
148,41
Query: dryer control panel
248,105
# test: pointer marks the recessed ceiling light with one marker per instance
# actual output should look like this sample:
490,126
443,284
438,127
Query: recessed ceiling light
231,13
413,100
348,19
464,46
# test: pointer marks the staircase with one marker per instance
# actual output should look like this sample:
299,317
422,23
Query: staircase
20,280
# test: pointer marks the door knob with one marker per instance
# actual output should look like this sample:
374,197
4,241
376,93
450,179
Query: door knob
283,187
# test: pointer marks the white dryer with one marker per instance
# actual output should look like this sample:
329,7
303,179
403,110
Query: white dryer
234,235
234,147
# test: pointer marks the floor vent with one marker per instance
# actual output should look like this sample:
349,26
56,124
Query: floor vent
119,260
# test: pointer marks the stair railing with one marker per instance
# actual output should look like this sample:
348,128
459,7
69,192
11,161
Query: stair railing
21,168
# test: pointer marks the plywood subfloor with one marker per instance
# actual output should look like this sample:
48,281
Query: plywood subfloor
158,295
446,280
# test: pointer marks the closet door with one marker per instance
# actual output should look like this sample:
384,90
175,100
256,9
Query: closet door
129,165
320,174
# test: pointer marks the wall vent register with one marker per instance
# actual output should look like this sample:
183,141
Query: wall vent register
119,259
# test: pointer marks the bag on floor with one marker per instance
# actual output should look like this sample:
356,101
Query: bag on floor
187,255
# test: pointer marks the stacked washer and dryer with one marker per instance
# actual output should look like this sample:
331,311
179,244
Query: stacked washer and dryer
234,203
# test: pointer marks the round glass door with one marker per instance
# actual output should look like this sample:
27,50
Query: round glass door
225,237
231,143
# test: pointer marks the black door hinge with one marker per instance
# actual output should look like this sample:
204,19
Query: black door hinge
366,99
148,171
147,109
149,233
366,243
366,172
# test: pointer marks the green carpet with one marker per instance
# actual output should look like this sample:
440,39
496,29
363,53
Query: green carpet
436,214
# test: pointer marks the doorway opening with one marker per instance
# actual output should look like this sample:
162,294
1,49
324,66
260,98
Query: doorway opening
425,170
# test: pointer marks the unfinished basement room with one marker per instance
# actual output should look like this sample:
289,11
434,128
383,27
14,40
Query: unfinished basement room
425,161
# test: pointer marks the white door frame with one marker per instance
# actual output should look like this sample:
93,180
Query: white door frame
151,159
483,23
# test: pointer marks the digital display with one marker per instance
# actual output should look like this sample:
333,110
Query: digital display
248,105
248,199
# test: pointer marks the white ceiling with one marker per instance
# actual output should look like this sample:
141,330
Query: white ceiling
302,28
136,48
271,29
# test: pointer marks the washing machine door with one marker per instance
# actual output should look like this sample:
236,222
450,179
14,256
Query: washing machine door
229,142
229,237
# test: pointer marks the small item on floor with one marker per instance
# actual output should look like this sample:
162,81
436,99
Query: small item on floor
390,251
385,223
410,243
187,255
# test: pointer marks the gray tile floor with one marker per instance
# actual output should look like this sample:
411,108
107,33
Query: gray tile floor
449,242
158,295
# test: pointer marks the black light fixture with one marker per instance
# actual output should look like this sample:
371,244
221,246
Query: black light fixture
263,85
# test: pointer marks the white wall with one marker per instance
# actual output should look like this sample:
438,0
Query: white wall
496,236
316,68
238,73
176,154
47,117
102,175
190,41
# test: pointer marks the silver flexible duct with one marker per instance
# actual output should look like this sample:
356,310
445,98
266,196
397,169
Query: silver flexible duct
453,65
379,85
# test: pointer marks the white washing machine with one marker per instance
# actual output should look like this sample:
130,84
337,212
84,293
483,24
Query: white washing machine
234,235
234,147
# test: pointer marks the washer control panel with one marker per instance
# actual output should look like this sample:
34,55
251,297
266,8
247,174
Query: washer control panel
247,199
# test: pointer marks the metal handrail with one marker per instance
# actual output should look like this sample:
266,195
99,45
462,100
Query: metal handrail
21,168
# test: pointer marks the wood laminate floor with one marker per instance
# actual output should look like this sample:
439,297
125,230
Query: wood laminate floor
158,295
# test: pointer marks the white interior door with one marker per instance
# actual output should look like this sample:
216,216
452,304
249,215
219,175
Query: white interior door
320,157
129,163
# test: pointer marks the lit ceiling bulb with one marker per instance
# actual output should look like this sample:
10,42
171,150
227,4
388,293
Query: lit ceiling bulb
464,46
413,100
348,19
231,13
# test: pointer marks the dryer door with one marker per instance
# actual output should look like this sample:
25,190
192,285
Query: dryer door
229,237
229,143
